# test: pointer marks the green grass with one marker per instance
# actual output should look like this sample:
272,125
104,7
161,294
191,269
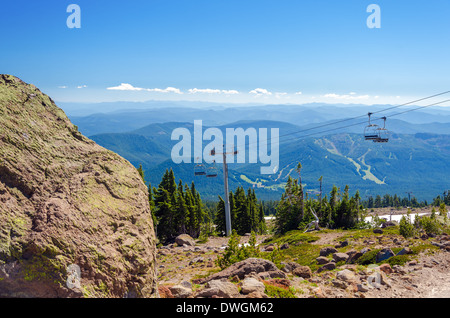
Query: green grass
293,237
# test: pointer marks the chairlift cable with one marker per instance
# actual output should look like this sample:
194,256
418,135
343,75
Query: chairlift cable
363,122
361,116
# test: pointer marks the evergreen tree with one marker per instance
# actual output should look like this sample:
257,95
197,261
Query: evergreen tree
219,219
378,203
290,208
141,172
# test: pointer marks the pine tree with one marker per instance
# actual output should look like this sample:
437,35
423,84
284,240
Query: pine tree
182,212
290,208
219,219
141,172
165,207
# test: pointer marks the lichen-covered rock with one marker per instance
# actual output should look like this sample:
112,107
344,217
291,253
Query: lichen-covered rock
65,200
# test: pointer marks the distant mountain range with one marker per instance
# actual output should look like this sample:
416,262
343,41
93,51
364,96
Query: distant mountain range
415,160
109,117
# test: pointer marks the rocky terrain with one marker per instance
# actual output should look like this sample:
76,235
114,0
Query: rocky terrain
397,268
65,201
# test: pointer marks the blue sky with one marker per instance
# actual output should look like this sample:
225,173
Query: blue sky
261,51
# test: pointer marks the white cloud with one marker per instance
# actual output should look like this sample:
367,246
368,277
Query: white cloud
260,92
62,87
351,96
212,91
125,87
129,87
298,93
166,90
82,86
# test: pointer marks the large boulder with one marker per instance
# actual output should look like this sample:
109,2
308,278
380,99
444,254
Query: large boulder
184,239
244,268
75,219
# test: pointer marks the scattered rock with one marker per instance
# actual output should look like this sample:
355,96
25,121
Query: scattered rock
184,240
285,246
318,292
252,285
271,274
339,283
346,275
196,260
322,260
327,251
362,288
378,231
302,271
353,256
245,267
384,254
341,244
164,292
384,279
338,257
282,283
386,268
327,267
181,291
399,269
404,251
257,295
218,288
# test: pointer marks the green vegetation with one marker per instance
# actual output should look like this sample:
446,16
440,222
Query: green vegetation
177,209
431,225
279,292
235,252
293,237
247,215
295,209
406,227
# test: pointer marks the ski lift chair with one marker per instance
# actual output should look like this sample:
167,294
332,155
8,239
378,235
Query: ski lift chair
199,170
383,133
212,171
371,131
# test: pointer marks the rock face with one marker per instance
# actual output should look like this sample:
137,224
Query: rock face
65,200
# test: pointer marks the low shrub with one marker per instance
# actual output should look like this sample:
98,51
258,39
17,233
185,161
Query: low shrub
279,292
368,257
397,260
